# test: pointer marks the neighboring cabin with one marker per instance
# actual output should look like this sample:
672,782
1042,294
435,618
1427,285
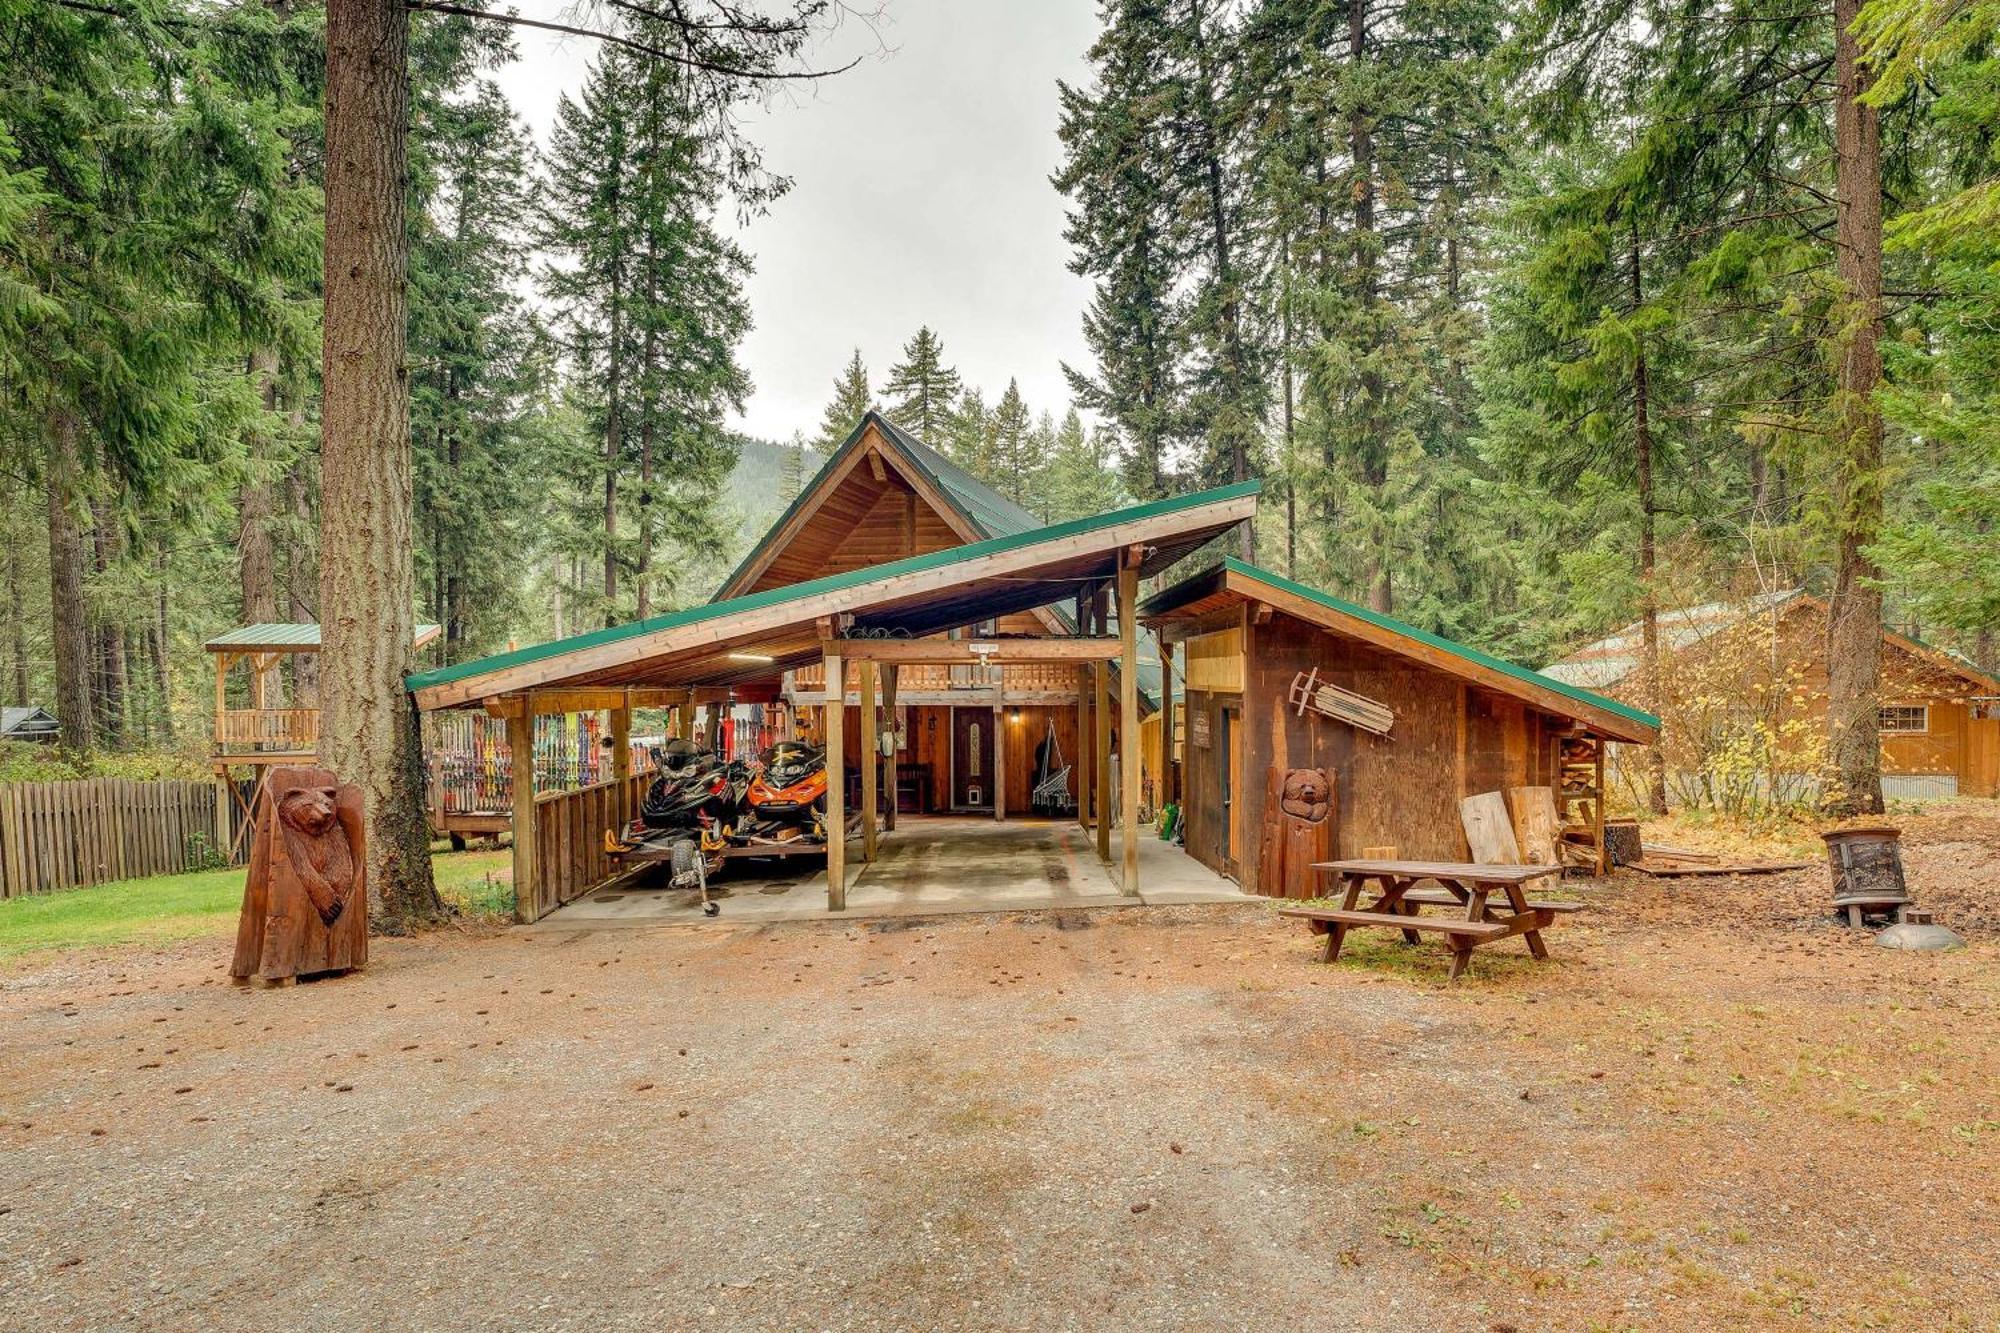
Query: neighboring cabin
1744,694
29,724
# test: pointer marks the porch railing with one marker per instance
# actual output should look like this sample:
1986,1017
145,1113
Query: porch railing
939,677
279,730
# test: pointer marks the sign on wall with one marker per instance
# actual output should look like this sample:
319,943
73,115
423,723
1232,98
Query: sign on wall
1198,730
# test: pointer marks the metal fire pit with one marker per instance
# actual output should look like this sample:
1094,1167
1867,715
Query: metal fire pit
1867,866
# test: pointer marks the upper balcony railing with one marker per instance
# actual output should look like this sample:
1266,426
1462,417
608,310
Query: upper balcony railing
941,677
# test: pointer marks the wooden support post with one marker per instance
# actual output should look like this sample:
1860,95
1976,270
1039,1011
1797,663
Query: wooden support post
222,661
889,674
1101,742
521,768
1128,722
999,762
836,784
1167,775
621,762
1084,676
871,753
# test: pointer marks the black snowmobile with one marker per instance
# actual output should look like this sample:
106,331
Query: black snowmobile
695,792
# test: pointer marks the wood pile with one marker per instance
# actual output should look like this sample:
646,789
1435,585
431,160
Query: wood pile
1668,862
1309,691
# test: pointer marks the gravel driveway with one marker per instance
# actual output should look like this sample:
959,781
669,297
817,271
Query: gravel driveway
1139,1118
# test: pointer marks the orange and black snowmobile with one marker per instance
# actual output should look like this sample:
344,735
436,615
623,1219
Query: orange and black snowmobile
787,798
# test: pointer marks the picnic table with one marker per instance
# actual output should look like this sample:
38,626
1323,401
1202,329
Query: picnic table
1461,885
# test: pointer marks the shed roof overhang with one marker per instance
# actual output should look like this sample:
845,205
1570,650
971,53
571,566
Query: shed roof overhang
1196,602
755,636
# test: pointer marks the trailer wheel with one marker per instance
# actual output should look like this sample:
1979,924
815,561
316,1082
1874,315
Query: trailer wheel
710,909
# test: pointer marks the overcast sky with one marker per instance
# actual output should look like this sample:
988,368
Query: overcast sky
920,195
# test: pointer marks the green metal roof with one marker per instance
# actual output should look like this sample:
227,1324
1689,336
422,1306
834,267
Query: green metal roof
273,637
985,510
1408,631
793,592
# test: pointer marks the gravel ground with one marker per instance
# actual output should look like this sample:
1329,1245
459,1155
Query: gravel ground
1710,1109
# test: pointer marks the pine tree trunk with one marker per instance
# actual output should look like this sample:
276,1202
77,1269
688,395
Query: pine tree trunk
256,561
156,642
368,724
1238,424
614,443
1649,592
301,577
107,635
1361,147
17,626
1854,611
69,627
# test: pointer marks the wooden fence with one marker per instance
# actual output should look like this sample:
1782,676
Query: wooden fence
62,835
569,850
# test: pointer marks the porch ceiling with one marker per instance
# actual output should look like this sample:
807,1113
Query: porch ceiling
759,635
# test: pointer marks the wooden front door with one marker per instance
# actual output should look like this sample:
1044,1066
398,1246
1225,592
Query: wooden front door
972,758
1232,781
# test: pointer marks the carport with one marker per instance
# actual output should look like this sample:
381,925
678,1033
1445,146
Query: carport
869,622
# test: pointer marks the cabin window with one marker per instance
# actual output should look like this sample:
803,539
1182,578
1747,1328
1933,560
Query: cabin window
1906,719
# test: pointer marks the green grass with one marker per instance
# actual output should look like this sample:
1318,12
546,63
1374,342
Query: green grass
173,907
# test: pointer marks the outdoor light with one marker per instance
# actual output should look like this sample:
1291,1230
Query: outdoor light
1014,716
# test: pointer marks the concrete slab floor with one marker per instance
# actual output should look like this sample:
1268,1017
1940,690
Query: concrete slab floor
929,866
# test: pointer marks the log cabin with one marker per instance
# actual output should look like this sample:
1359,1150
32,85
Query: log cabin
898,607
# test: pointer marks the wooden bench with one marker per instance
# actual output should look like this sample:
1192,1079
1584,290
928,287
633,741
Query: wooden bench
1322,919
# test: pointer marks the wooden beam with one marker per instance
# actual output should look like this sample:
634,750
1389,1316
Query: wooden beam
963,650
876,467
836,784
1101,738
1260,613
871,750
1128,723
521,765
1193,627
585,700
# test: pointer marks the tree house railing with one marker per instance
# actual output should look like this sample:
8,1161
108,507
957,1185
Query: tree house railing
277,730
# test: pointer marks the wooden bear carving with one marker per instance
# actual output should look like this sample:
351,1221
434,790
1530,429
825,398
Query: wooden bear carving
1307,794
1298,831
305,900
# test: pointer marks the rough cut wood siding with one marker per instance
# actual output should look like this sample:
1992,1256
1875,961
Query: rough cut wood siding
1450,740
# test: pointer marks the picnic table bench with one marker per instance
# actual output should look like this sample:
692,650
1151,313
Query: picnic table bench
1461,885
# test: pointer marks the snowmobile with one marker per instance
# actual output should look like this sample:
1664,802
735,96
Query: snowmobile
695,792
787,798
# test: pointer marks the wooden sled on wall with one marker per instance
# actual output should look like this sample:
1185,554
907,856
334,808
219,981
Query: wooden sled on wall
1330,700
